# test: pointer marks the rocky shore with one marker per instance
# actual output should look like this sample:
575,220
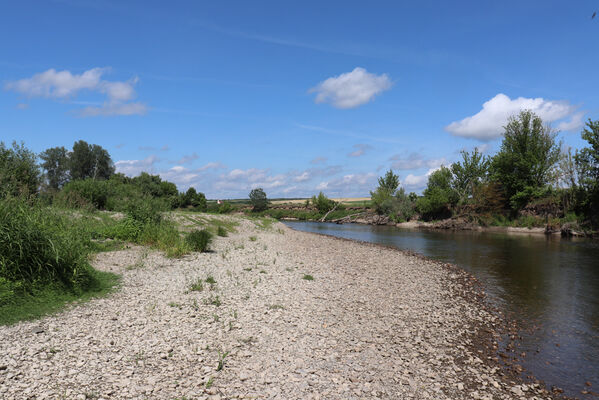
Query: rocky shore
280,314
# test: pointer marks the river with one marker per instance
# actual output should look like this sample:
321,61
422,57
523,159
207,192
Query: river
548,284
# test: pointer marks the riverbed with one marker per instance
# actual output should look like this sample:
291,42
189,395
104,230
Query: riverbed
548,284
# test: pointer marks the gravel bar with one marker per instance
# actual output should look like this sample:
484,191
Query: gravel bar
373,322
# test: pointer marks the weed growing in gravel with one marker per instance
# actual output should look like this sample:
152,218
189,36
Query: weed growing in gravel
210,280
199,240
262,271
240,247
197,286
215,317
174,304
195,305
221,360
276,307
289,269
247,269
221,231
209,383
213,300
253,238
308,277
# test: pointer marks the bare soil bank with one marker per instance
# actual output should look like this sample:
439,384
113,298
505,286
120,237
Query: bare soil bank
373,323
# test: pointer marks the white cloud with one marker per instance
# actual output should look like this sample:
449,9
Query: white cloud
135,167
414,161
351,89
349,185
417,182
360,150
575,123
488,123
318,160
64,85
303,177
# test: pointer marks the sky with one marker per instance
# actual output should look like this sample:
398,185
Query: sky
292,97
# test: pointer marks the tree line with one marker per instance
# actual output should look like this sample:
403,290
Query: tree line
84,176
530,174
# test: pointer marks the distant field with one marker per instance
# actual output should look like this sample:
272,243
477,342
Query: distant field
345,200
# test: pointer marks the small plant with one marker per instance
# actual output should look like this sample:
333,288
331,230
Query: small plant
247,269
221,231
214,300
221,360
215,317
199,240
253,238
210,279
308,277
209,383
262,271
198,286
276,307
174,304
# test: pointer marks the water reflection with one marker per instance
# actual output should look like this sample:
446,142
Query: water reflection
544,282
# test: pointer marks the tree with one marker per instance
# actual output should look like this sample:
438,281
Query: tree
194,199
56,164
389,182
439,197
322,203
587,166
90,161
469,173
258,199
528,154
19,172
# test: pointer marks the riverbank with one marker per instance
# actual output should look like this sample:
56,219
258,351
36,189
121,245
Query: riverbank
278,314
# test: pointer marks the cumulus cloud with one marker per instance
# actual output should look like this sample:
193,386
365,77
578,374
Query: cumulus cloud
64,85
211,165
351,89
417,182
350,184
242,180
573,124
135,167
414,161
488,123
360,149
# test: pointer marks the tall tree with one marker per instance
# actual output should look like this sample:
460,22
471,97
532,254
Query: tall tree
258,199
56,164
469,173
19,172
389,182
587,165
526,159
90,161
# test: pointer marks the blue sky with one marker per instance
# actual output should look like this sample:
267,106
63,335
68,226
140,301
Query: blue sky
294,97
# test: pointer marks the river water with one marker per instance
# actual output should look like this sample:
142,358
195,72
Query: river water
548,284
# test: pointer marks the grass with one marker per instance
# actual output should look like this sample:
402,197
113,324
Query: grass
308,277
199,240
253,238
210,279
276,307
51,299
221,231
221,360
197,286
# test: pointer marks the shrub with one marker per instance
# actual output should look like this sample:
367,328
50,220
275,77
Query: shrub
198,240
19,173
39,247
221,231
322,203
225,208
258,200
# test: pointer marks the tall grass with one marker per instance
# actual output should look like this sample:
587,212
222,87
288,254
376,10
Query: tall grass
43,261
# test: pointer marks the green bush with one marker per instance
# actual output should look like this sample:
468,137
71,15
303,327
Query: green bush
198,240
40,247
221,231
322,203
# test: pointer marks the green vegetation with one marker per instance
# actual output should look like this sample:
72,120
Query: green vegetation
308,277
258,200
43,262
322,203
221,231
198,240
197,286
529,182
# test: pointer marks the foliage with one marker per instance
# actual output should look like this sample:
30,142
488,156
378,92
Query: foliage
55,163
322,203
38,246
389,182
439,197
221,231
526,159
469,173
258,200
191,198
199,240
587,166
225,207
19,173
89,161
